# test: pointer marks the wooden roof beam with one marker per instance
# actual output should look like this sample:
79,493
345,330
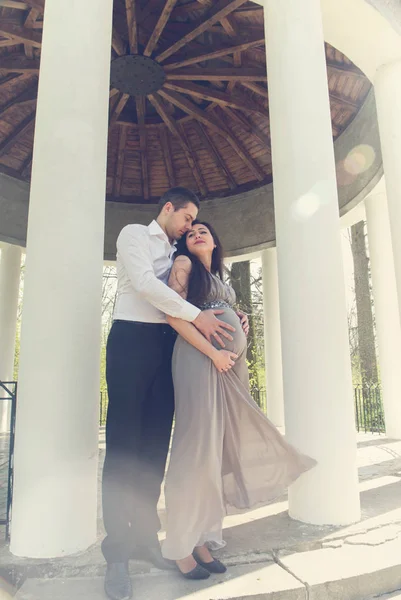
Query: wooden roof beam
250,127
117,43
21,34
38,4
147,10
204,135
198,173
172,126
14,4
234,74
343,100
199,114
120,162
26,165
184,9
218,12
31,18
19,63
230,26
9,77
29,95
140,110
20,131
132,25
351,69
117,110
219,53
199,91
254,87
28,24
159,27
165,144
9,42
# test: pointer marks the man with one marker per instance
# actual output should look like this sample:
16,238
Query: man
140,387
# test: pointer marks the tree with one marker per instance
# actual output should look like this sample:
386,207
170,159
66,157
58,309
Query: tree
241,282
365,330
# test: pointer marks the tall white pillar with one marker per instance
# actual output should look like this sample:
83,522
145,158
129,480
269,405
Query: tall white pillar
272,335
387,316
388,101
54,509
318,397
10,269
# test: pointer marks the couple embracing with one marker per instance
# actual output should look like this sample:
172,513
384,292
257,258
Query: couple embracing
177,346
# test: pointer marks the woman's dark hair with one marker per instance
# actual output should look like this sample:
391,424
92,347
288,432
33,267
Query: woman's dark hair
179,198
199,280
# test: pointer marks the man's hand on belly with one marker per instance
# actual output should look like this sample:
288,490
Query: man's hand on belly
211,327
244,321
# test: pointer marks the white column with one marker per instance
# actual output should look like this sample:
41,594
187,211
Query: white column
388,101
272,334
318,397
386,309
54,509
10,269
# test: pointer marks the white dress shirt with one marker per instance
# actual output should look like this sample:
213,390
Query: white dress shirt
144,261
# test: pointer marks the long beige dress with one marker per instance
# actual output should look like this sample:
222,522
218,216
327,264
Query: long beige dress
226,455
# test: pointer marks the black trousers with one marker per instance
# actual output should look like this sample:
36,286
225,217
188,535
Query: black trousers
138,429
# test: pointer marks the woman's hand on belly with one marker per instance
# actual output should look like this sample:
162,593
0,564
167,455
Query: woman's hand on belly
224,360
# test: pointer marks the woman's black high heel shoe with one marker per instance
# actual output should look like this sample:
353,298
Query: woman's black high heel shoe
213,567
197,573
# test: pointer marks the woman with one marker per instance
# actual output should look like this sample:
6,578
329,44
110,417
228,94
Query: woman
226,455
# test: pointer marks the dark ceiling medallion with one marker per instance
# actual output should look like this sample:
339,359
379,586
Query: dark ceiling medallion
136,75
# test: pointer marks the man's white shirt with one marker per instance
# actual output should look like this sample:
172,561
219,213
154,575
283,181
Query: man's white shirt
144,260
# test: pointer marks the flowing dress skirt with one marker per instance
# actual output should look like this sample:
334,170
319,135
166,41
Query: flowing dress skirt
226,455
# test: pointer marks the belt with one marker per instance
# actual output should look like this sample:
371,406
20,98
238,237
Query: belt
142,324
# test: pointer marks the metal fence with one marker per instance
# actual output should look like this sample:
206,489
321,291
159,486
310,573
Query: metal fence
8,404
369,413
369,416
258,394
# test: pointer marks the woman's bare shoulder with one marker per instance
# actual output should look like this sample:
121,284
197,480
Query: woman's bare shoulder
183,262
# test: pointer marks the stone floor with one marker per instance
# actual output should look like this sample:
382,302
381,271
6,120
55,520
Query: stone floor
270,556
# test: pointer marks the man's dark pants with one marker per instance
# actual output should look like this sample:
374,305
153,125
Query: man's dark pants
138,428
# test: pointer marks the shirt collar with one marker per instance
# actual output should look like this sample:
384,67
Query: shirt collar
155,229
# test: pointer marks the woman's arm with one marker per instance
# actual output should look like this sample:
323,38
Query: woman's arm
179,277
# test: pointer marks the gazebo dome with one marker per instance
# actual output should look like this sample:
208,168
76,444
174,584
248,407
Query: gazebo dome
188,97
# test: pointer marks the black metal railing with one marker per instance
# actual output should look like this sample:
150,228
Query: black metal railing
259,395
8,406
368,405
369,413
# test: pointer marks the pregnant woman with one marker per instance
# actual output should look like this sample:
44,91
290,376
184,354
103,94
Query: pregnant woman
226,455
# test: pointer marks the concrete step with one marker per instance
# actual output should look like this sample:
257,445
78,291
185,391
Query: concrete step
256,582
355,567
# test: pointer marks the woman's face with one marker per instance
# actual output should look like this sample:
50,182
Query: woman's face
200,241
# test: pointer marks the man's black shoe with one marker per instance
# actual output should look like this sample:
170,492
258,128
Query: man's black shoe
153,555
117,583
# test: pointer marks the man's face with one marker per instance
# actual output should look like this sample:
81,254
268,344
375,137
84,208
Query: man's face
180,221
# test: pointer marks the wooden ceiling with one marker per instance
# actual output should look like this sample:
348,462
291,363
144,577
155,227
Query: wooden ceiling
206,128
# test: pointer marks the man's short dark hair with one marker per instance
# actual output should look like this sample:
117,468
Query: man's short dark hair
179,197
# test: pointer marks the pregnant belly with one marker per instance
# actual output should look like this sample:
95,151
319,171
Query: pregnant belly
238,344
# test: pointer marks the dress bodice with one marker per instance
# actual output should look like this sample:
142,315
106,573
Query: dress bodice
221,294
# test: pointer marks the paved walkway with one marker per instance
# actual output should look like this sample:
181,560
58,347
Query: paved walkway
270,556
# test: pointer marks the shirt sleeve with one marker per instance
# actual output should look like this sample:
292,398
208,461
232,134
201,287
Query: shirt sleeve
133,247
